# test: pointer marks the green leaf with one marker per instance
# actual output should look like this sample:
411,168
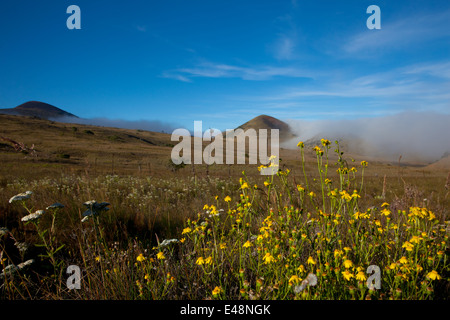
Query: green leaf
59,248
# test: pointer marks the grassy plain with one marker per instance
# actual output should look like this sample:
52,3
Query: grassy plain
239,235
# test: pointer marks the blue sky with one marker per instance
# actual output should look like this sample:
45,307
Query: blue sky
225,62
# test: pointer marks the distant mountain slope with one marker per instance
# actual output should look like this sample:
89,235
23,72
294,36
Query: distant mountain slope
443,163
268,122
61,146
37,109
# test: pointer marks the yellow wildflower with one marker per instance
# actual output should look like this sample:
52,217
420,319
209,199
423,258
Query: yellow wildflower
200,261
392,266
348,263
433,275
268,258
248,244
431,215
325,142
160,256
318,150
408,246
347,275
140,257
213,210
227,199
338,253
300,144
217,291
403,260
345,195
311,260
361,276
294,279
186,230
208,260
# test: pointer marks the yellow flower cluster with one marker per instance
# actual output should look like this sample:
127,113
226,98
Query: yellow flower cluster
337,238
421,213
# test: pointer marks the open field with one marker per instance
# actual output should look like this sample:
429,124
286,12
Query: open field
239,235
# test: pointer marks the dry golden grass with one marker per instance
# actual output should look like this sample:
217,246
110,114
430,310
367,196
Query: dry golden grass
91,151
150,199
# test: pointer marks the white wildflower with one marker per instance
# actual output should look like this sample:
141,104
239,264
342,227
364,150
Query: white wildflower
11,268
88,213
90,203
21,196
33,216
167,242
94,208
56,205
3,231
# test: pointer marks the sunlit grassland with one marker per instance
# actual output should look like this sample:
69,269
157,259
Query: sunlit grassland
238,235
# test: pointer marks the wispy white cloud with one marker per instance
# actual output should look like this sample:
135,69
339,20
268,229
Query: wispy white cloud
438,69
420,87
284,47
218,70
404,81
176,76
411,29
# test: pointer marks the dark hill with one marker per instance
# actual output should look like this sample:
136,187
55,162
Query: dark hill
268,122
37,109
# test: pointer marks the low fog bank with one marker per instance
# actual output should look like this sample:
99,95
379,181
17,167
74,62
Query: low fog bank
416,136
148,125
